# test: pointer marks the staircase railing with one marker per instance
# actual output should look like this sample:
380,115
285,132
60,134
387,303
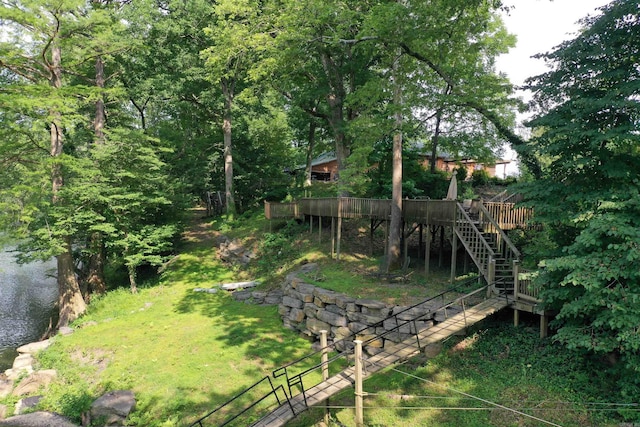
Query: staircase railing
505,247
476,245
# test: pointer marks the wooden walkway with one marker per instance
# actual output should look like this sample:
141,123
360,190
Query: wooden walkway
389,356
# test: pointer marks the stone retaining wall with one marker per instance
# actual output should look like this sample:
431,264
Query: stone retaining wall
309,309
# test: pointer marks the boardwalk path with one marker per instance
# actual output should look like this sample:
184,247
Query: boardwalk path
390,355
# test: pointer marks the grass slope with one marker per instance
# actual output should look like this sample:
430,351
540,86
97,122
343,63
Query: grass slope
184,353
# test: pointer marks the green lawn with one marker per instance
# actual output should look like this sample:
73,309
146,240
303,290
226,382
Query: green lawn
181,352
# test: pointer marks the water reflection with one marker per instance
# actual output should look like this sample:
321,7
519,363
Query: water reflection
27,295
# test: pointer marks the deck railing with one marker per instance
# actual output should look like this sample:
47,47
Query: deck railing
281,210
508,216
525,287
505,247
437,212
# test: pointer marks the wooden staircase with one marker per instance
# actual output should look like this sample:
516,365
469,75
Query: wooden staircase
488,246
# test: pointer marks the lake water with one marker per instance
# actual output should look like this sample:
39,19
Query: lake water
27,295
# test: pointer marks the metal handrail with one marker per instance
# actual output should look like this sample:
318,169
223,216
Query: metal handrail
274,391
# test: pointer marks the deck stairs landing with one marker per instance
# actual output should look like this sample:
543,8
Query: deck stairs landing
391,354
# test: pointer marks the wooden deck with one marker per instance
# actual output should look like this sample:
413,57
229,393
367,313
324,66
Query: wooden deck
389,356
422,211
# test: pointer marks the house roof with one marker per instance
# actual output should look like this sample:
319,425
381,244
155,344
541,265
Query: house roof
326,157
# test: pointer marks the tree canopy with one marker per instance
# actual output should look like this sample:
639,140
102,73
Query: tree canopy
105,138
587,130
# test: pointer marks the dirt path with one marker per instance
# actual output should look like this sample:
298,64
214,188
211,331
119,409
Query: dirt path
199,232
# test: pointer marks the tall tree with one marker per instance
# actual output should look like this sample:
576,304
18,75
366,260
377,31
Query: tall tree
41,30
588,135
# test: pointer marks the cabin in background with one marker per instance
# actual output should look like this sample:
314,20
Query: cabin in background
325,166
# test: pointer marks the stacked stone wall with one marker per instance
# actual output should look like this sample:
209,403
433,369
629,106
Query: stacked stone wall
310,309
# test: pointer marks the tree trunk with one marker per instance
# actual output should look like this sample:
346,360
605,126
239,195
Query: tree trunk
227,90
395,226
434,143
95,277
101,116
310,149
70,301
336,117
132,279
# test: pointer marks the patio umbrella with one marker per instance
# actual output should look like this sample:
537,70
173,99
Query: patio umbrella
452,194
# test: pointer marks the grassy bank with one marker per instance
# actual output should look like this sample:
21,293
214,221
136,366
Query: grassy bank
183,353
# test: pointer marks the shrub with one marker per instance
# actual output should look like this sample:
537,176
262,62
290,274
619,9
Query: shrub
479,177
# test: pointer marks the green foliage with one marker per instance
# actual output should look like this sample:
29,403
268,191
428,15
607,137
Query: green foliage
479,177
589,195
276,248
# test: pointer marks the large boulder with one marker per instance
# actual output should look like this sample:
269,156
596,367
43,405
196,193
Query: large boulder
113,408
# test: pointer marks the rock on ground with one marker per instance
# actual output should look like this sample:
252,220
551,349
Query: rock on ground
37,419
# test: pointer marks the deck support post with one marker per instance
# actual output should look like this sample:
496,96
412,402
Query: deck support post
319,229
454,254
441,255
405,242
516,317
358,380
420,242
310,224
333,236
427,251
325,370
371,237
544,325
339,231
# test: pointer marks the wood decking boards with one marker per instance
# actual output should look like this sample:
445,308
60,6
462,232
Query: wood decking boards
389,356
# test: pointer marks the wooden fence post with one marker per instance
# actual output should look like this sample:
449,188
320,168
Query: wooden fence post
325,370
358,378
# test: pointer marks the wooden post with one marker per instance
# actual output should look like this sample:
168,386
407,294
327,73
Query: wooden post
441,257
427,251
516,317
491,279
325,370
544,325
333,236
454,255
386,237
405,248
420,241
358,379
310,223
339,228
371,237
319,229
